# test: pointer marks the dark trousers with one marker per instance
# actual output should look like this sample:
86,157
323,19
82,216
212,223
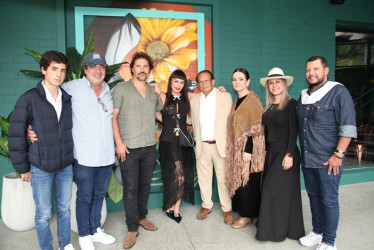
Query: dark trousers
323,193
92,184
137,171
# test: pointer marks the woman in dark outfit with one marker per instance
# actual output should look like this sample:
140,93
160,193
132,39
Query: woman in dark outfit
281,213
245,150
176,162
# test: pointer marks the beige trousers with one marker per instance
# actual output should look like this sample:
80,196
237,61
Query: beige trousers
210,158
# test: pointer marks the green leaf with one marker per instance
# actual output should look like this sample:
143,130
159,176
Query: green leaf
115,190
87,49
35,54
113,68
4,125
31,73
4,151
112,84
74,67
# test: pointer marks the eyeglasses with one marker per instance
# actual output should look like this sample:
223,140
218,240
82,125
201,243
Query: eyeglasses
102,104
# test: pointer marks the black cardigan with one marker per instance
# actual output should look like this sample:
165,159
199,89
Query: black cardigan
53,150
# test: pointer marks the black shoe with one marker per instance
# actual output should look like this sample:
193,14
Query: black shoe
177,217
170,214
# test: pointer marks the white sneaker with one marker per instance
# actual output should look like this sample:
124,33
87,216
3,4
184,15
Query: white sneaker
68,247
324,246
102,237
311,239
85,243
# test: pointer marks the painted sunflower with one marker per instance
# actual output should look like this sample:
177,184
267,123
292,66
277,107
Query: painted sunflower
166,42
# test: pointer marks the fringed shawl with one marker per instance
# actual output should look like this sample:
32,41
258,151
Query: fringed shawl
243,122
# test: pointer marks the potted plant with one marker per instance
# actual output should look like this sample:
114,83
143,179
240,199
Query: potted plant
17,203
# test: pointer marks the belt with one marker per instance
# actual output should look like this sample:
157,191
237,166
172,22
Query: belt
210,142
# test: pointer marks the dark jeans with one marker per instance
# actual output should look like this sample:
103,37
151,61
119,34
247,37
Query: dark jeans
137,171
323,195
92,184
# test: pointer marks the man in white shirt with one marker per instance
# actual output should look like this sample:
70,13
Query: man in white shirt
209,112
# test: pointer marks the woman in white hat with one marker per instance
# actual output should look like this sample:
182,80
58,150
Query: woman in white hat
281,214
245,150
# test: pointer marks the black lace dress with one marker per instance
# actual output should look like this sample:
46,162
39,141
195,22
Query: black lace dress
176,162
281,213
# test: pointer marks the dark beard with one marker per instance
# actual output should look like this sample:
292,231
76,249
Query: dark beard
312,85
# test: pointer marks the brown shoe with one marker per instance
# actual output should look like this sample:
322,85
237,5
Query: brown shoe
242,222
130,239
148,225
227,217
203,213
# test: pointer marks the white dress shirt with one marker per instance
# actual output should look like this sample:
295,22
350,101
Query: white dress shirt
57,104
207,116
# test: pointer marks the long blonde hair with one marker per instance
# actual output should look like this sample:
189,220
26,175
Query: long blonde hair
284,98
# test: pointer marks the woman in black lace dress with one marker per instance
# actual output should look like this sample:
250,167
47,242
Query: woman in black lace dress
281,214
176,162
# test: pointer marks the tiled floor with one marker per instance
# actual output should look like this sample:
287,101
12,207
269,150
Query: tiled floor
356,228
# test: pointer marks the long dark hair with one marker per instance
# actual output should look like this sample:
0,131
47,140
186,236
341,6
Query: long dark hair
169,100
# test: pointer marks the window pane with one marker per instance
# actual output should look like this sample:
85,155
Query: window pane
350,54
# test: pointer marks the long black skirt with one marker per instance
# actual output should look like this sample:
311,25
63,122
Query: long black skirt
281,214
246,200
177,173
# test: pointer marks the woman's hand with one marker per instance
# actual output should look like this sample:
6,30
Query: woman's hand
222,88
247,157
287,162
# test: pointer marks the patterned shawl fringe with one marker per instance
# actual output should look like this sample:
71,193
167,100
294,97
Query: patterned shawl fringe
237,171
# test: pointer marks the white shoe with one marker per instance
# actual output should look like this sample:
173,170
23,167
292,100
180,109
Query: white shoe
324,246
102,237
68,247
311,239
86,243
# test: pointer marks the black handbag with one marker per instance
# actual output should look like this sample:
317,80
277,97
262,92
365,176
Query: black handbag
185,140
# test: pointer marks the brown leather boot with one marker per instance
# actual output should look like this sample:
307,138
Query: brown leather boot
242,222
129,240
148,225
227,217
203,213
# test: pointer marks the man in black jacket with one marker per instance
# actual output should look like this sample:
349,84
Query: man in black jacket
46,162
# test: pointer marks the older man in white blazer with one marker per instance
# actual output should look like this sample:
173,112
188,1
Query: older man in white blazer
209,112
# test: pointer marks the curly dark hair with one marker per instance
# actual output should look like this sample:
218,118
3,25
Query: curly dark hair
53,56
139,55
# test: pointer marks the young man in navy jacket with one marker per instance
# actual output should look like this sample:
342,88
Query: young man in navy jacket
48,161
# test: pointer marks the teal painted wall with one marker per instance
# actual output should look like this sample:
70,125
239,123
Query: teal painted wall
255,34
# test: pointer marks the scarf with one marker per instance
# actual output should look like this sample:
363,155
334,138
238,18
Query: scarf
243,122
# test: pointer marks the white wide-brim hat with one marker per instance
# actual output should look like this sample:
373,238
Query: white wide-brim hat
276,73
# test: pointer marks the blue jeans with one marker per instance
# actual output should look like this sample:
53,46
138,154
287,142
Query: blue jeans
323,195
136,172
42,187
92,184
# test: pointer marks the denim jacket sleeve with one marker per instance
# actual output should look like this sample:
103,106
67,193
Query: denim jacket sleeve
346,115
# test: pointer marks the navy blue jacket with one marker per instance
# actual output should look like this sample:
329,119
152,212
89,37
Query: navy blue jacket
53,150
